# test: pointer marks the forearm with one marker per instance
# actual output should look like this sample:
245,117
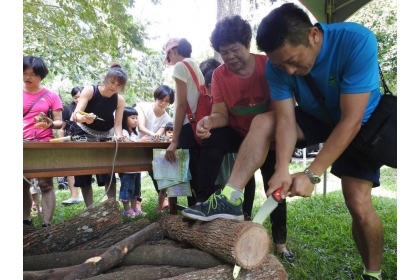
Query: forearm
218,120
178,122
286,137
335,145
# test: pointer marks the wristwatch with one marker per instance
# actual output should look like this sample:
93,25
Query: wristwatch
314,179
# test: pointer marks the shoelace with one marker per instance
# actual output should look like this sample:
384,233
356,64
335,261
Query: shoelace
213,202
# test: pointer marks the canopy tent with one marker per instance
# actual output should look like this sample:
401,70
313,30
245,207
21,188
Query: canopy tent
330,11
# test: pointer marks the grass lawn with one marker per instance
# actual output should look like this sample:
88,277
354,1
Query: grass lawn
319,227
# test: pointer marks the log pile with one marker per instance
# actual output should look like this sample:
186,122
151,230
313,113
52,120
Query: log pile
97,245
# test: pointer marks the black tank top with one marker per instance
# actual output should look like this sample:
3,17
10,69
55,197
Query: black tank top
104,108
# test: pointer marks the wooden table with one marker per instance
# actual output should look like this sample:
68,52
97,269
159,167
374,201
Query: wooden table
46,159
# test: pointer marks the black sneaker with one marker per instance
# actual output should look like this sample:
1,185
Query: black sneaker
288,256
247,217
27,223
217,206
46,225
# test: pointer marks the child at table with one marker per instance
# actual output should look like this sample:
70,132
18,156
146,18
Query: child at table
169,131
130,181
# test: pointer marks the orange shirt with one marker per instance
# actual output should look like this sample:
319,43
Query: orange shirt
244,98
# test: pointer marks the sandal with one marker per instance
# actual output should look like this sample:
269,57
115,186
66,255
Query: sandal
129,213
138,212
288,256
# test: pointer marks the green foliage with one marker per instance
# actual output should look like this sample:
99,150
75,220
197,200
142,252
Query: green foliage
380,16
79,40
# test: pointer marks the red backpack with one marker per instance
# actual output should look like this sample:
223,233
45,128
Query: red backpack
203,106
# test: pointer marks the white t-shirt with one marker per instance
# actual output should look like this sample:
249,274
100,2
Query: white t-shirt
133,137
153,123
181,72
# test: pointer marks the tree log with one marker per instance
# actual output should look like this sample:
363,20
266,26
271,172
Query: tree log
91,223
141,255
244,243
49,274
270,269
113,255
151,273
115,235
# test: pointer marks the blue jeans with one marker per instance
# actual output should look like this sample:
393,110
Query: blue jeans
130,186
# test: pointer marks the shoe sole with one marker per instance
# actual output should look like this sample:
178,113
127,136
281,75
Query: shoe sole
213,217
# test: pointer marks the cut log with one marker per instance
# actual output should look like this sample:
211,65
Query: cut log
29,229
113,255
91,223
151,273
115,235
243,243
49,274
141,255
270,269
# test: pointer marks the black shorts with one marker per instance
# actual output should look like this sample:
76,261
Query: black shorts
86,180
316,132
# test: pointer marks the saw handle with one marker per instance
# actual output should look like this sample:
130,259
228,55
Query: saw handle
277,194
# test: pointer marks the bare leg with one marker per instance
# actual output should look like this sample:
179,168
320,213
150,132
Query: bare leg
73,190
366,225
253,150
87,193
161,198
27,201
134,203
112,192
48,198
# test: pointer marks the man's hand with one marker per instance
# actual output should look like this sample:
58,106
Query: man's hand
203,128
280,179
301,185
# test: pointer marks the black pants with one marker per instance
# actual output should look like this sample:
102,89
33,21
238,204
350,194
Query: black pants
187,141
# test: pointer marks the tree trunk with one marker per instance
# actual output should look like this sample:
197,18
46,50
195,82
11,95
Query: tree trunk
91,223
150,273
270,269
49,274
115,235
113,255
243,243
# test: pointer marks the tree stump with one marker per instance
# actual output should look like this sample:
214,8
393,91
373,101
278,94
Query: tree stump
243,243
91,223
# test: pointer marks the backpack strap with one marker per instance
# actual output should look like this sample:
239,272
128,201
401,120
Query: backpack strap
33,104
190,115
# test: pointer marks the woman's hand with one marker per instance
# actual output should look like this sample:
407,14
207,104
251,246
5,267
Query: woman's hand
170,153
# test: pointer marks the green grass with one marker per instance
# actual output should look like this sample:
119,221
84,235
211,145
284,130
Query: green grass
319,227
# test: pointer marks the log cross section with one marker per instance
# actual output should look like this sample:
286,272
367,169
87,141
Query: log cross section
243,243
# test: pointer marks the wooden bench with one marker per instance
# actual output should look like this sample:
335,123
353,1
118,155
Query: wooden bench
47,159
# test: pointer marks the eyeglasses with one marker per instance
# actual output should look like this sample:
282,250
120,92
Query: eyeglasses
167,54
30,75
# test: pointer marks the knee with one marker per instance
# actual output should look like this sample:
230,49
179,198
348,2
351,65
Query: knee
46,184
263,124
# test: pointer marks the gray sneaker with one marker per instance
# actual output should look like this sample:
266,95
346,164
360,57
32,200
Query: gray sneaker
217,206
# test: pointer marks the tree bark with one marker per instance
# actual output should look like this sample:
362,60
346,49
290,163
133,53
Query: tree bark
243,243
270,269
91,223
150,273
49,274
115,235
113,255
141,255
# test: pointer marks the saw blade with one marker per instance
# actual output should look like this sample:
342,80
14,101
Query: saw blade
269,205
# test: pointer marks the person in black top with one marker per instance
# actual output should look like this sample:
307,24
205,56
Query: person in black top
101,101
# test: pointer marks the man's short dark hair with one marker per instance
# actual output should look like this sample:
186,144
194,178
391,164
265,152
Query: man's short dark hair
285,24
230,30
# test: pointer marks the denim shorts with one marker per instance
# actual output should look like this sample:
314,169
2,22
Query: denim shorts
316,132
130,186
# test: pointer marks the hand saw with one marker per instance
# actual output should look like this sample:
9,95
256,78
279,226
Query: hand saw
269,205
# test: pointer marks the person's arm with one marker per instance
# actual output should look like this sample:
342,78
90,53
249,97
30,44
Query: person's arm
84,98
118,117
286,134
181,109
352,110
142,123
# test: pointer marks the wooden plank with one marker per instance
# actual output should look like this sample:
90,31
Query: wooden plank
45,159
